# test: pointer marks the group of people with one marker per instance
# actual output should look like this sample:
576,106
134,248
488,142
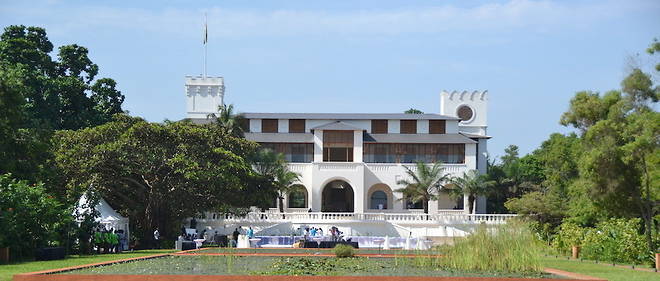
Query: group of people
109,241
335,233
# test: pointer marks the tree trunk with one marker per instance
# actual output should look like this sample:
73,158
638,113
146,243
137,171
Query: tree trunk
281,203
647,209
425,203
473,204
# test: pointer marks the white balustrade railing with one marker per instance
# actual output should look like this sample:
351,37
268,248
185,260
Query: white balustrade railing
400,167
338,166
441,216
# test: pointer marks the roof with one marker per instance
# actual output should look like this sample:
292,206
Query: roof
281,137
475,136
348,116
337,125
417,138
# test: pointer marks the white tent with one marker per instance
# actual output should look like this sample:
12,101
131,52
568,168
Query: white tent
108,217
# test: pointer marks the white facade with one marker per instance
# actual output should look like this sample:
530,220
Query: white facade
349,164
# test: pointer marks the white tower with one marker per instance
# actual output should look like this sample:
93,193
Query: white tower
204,95
471,107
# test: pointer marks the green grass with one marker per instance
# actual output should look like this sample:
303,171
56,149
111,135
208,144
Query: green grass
600,270
7,271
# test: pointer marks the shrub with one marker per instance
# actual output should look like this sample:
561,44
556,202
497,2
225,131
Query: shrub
344,251
29,217
569,235
511,248
613,240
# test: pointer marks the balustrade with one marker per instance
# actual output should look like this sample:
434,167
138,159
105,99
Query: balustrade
441,216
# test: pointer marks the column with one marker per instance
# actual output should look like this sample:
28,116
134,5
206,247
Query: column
357,146
318,146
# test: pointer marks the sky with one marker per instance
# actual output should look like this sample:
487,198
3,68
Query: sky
375,56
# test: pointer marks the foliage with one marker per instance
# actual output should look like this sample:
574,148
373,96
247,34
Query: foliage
613,240
62,93
413,111
423,183
316,266
273,165
569,235
470,184
511,249
228,121
343,251
605,272
29,217
157,174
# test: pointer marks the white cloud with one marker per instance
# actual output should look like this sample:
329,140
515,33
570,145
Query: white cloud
512,15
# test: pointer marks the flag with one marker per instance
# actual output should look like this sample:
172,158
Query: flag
206,33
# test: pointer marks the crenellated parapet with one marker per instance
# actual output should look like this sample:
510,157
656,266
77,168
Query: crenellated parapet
204,95
470,106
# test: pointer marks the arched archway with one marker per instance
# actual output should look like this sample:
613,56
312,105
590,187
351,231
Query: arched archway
379,197
297,198
337,197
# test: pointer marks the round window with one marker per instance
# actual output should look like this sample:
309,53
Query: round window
465,113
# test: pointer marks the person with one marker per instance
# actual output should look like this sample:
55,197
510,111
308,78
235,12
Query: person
250,233
313,231
306,233
156,238
234,237
320,231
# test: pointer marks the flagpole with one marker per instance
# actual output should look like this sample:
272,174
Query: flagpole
206,36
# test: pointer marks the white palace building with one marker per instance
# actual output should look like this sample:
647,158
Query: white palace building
350,164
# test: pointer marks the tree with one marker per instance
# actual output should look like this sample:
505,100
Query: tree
273,165
62,93
424,183
621,141
230,122
413,111
159,174
470,184
29,217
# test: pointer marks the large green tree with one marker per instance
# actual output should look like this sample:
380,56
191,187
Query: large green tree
159,174
61,93
471,185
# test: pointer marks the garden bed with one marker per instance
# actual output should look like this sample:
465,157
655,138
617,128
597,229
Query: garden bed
230,267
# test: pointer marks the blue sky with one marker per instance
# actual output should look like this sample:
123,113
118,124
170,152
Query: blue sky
359,56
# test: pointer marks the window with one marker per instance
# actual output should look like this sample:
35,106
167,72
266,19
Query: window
296,125
408,126
293,152
437,126
379,126
414,205
465,113
245,124
269,125
378,200
338,146
298,197
412,152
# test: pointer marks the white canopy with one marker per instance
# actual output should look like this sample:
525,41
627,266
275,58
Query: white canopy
108,217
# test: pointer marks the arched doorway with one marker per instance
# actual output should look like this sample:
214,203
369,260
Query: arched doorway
297,197
337,197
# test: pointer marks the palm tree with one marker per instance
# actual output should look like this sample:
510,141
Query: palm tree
285,179
272,164
424,184
472,185
231,123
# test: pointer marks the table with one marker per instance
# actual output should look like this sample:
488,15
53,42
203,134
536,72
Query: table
379,241
318,240
198,242
255,240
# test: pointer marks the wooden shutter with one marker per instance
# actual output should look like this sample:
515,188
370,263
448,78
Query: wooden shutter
296,125
379,126
437,126
408,126
269,125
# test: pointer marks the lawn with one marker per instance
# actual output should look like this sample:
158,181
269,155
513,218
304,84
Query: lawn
600,270
7,271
